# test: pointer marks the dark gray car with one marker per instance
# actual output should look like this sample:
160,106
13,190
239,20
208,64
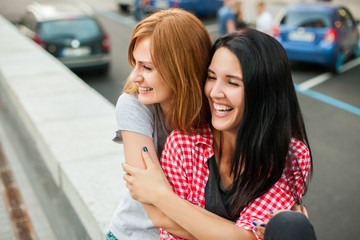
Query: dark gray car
70,32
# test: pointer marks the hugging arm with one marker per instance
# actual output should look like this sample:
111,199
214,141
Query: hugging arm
200,223
133,143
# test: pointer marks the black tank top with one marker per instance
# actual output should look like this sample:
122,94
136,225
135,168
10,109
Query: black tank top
217,199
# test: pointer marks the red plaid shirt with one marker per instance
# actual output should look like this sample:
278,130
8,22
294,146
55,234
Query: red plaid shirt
184,163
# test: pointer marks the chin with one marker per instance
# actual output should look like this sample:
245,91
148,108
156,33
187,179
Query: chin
145,101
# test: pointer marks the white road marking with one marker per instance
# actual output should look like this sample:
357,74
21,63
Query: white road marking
327,75
315,81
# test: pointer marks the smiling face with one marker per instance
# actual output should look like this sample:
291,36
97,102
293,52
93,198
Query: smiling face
152,88
224,89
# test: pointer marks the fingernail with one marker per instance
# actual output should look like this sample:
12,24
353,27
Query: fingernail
254,223
145,149
271,212
262,225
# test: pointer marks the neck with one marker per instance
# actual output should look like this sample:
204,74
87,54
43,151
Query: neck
224,146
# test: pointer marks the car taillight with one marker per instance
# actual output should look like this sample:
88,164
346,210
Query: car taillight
106,43
39,41
175,4
330,36
276,31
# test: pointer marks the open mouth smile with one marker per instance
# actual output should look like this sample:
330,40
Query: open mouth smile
145,89
222,108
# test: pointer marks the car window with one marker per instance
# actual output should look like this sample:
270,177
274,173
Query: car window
345,18
306,19
80,28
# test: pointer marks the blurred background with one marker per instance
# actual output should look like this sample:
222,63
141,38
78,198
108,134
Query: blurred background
327,82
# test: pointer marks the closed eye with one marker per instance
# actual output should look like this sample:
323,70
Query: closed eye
147,68
234,84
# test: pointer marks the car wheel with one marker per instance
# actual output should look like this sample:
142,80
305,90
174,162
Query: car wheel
357,49
339,61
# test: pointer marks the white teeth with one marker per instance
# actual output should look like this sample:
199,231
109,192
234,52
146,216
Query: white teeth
222,108
145,89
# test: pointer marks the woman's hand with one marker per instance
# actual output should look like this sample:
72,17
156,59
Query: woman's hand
260,227
145,184
295,208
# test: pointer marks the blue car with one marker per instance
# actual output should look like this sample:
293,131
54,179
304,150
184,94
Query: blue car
198,7
320,33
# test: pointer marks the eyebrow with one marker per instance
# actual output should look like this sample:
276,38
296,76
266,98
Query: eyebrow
228,76
143,61
147,62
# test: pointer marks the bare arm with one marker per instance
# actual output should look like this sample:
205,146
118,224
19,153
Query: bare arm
133,143
199,222
230,26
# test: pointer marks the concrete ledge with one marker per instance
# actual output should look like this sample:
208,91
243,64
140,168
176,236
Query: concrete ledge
69,123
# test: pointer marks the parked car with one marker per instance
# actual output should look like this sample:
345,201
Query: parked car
321,33
198,7
125,5
70,32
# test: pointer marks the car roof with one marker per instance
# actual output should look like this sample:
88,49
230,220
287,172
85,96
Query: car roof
316,7
59,10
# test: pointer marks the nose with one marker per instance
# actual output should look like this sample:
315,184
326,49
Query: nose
136,76
217,90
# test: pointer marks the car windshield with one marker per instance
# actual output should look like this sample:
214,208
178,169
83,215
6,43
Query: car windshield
306,19
79,28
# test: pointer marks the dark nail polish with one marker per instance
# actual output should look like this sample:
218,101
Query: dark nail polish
254,223
262,225
271,212
145,149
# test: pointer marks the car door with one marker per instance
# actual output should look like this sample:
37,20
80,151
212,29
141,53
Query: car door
348,35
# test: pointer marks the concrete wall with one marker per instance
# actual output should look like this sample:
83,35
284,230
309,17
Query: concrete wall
68,123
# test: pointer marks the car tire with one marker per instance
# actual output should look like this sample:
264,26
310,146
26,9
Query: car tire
339,61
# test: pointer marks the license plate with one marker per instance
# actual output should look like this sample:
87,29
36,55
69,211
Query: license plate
301,36
76,52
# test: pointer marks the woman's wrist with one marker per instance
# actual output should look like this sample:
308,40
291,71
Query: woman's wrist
162,192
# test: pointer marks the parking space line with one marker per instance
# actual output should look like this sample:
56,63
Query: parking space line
329,100
350,65
315,81
326,76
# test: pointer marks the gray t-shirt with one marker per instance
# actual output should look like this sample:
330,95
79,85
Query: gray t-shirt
130,220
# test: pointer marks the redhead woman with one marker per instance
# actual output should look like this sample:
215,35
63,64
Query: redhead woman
255,157
169,52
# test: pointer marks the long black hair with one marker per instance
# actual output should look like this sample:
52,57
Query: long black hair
272,117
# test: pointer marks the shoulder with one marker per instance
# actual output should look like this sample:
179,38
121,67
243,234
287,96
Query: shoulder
129,103
297,147
203,135
199,143
134,116
299,153
127,98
